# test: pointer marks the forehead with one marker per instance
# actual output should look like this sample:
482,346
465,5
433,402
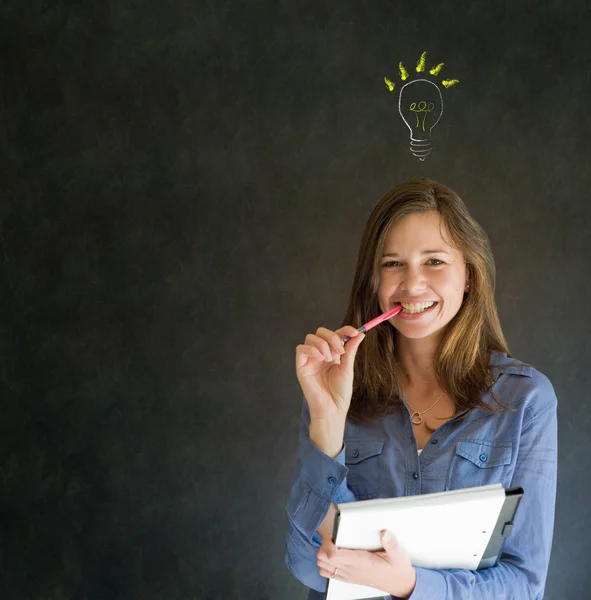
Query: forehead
417,232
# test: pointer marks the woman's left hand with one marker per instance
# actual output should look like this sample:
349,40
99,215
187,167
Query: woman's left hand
389,570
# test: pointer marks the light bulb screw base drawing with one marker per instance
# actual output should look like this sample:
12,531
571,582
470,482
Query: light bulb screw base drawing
420,148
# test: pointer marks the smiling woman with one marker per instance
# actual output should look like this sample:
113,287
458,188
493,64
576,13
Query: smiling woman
421,244
430,284
430,401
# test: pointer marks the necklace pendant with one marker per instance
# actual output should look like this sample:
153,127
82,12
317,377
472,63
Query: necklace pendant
418,417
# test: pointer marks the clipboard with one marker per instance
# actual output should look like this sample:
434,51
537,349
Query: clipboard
461,529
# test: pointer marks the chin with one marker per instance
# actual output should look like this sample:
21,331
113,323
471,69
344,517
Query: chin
416,333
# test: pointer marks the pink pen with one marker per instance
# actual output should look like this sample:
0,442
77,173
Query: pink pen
383,317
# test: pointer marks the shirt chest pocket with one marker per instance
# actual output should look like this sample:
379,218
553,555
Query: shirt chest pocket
363,458
479,462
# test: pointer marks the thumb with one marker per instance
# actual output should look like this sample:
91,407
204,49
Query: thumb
388,540
351,348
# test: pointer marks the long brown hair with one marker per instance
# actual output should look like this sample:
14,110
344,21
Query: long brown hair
462,358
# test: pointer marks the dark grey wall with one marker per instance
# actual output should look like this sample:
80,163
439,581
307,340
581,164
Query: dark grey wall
184,186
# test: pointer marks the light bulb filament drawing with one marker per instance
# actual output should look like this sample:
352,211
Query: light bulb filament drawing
424,108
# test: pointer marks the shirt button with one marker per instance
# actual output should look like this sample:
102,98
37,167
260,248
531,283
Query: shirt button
434,441
483,457
415,475
356,454
332,480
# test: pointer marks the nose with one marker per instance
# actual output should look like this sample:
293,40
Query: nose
413,281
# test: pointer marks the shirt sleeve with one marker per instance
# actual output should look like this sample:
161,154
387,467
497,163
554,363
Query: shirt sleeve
320,480
522,568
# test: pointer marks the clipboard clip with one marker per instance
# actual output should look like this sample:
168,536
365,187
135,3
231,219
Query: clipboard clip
507,529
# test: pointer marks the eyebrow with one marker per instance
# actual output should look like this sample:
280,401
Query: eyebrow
395,254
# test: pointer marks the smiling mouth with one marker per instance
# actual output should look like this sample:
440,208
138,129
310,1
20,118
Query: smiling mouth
416,308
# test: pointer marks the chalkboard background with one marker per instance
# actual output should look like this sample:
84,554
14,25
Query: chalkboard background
184,187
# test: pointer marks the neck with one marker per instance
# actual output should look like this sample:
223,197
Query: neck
417,356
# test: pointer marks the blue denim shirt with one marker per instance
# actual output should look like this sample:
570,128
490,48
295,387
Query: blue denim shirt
380,460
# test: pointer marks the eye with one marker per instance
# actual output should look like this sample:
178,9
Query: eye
434,262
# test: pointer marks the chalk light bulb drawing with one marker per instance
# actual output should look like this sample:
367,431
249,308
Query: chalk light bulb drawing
420,105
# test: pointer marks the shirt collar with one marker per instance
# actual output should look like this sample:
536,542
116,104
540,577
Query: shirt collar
501,363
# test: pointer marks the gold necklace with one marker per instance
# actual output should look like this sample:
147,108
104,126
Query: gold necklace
419,415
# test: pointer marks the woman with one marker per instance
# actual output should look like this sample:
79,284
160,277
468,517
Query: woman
428,401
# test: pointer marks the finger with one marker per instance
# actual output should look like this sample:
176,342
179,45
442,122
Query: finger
388,539
349,558
318,342
305,353
325,564
352,346
390,543
347,330
328,550
344,558
332,338
329,574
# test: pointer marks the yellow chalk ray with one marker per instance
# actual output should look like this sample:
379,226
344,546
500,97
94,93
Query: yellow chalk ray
421,63
403,72
435,70
447,83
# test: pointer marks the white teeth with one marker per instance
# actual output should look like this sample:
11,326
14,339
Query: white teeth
415,308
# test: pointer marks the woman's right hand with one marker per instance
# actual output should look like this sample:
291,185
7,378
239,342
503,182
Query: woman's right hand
324,368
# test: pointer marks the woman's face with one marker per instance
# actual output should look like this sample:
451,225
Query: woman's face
418,266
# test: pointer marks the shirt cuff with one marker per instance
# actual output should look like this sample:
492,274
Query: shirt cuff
430,584
325,475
